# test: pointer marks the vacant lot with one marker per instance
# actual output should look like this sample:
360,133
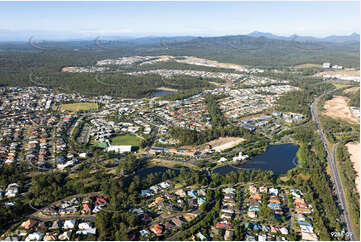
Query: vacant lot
337,108
205,62
344,72
125,140
224,143
308,65
354,150
219,144
352,90
217,84
76,107
166,89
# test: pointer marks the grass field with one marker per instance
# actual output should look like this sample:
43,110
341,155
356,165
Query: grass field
171,164
341,84
308,65
125,140
76,107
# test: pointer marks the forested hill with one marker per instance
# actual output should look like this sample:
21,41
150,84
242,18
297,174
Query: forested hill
239,49
264,52
46,59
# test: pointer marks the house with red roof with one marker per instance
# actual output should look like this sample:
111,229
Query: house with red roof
223,225
100,200
86,208
157,229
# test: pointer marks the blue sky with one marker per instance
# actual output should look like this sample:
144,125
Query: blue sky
180,18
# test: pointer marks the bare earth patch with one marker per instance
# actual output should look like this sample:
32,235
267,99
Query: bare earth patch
166,89
219,144
344,72
211,63
337,108
224,143
217,84
354,150
352,90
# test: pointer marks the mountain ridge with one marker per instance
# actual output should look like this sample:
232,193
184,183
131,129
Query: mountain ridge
331,38
24,36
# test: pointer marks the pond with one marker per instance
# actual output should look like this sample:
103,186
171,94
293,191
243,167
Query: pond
277,158
161,93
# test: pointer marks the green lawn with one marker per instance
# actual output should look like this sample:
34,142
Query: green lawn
125,140
341,84
76,107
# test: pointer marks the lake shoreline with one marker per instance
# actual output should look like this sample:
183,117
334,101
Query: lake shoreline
277,158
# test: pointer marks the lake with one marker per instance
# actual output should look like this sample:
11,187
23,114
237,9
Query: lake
277,158
161,93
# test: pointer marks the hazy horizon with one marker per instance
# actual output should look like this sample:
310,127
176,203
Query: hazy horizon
86,20
66,36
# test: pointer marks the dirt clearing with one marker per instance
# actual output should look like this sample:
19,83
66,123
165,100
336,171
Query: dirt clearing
224,143
352,90
217,84
166,89
220,144
337,108
211,63
354,150
344,72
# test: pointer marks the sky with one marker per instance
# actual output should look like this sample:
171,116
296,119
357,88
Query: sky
83,19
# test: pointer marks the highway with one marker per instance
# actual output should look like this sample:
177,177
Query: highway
331,159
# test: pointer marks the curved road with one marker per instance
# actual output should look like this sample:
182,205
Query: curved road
331,159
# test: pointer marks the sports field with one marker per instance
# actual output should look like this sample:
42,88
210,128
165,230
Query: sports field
76,107
125,140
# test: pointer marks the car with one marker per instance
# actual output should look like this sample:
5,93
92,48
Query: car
10,204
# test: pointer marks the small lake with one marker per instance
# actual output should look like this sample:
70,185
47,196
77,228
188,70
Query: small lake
277,158
161,93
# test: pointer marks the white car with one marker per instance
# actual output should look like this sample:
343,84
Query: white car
10,204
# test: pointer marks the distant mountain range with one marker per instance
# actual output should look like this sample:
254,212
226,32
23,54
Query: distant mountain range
256,49
354,37
23,36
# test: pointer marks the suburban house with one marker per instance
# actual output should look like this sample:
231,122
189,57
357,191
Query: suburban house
156,229
29,224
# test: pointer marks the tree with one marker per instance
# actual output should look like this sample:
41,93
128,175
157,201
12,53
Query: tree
132,187
121,234
103,225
